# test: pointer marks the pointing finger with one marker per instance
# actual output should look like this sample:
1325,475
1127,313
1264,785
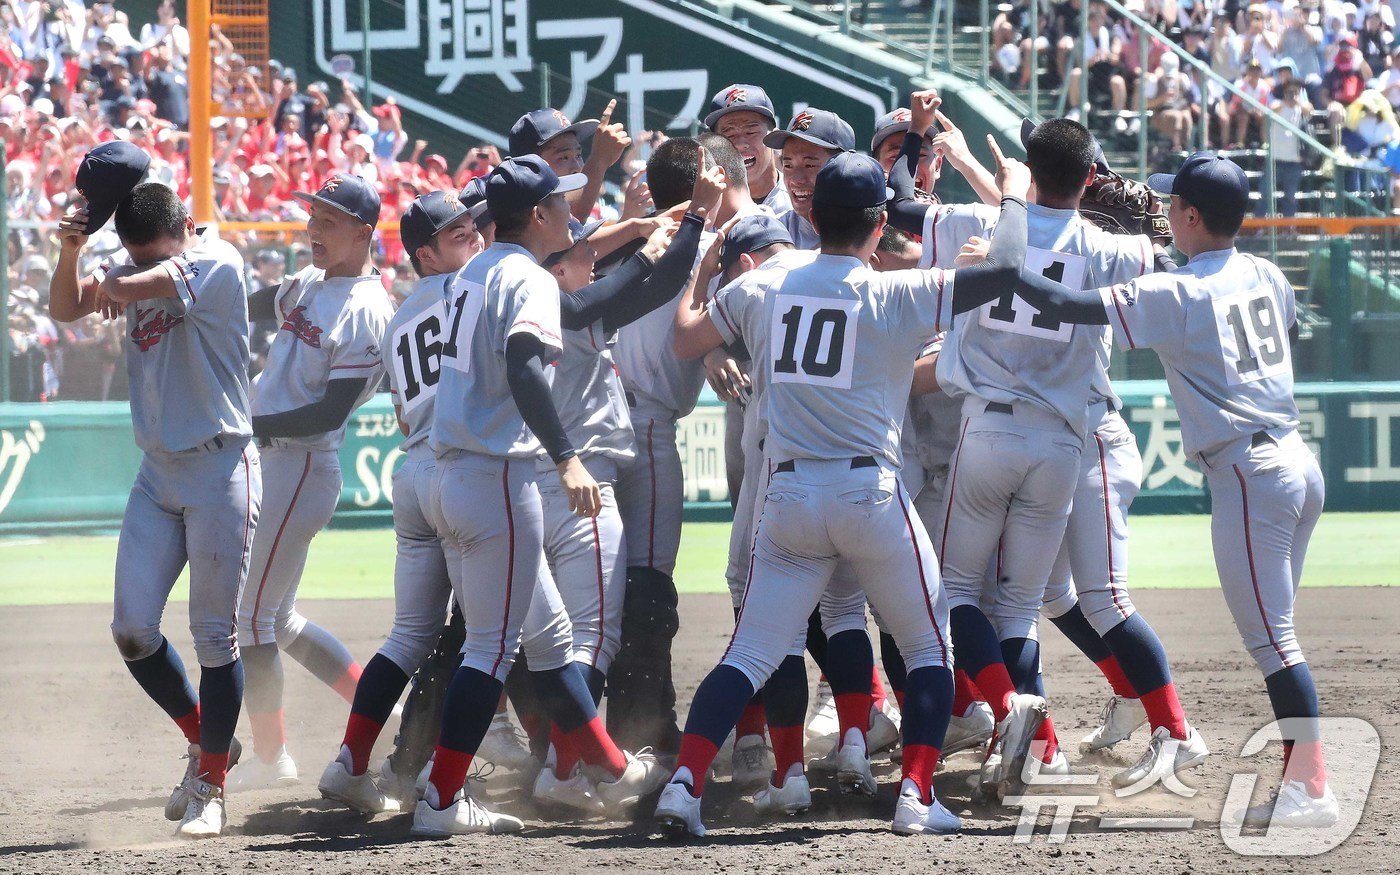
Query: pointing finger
996,151
607,113
943,121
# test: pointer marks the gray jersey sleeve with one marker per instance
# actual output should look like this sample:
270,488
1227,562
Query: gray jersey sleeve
948,226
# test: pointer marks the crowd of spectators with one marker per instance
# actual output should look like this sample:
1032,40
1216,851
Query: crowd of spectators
73,75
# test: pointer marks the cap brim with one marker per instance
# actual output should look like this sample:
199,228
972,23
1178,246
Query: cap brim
309,197
98,216
886,132
1162,183
570,182
776,139
713,118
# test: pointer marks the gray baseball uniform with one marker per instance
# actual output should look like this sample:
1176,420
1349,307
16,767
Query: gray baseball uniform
1220,325
197,494
842,344
1025,384
331,329
803,234
487,504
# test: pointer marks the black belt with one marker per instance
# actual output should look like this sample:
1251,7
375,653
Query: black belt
1261,438
631,399
858,462
999,407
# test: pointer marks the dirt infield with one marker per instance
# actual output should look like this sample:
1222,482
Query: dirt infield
90,762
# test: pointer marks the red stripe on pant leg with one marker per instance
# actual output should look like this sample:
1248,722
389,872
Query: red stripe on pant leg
919,563
651,526
952,484
744,599
510,564
272,554
246,556
1108,525
1253,575
598,554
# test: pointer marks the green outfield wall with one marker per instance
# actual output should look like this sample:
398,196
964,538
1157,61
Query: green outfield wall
70,465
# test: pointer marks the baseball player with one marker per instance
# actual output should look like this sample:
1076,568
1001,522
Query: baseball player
650,493
493,414
439,234
196,496
813,137
1221,325
948,145
744,115
1025,386
549,134
835,401
586,556
324,362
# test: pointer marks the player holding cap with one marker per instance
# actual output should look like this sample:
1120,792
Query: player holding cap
324,362
835,492
493,415
197,492
744,115
812,138
439,235
1223,325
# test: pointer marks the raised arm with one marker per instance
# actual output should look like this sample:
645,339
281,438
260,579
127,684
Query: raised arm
609,142
70,296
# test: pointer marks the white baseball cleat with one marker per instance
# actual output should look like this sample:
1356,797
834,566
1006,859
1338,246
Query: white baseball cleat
643,775
884,727
1119,718
465,815
396,786
793,798
575,793
1291,807
823,722
971,730
361,793
420,783
853,775
913,817
752,763
678,812
255,774
505,747
1164,756
1027,712
826,763
984,783
180,796
204,817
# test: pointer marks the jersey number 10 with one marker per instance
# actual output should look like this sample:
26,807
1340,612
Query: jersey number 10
815,340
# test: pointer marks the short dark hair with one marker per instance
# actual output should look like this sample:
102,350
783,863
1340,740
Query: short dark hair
845,227
153,211
1221,223
723,154
413,256
894,240
1059,153
513,224
671,172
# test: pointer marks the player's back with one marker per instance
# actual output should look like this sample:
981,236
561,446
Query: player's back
589,396
843,341
1220,325
412,353
1007,352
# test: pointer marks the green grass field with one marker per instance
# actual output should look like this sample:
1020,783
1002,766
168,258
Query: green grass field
1168,551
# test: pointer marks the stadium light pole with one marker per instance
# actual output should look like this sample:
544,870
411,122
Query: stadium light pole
201,97
4,284
364,30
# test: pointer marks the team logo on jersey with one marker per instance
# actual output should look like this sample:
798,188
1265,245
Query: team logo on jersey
146,333
302,328
736,95
802,121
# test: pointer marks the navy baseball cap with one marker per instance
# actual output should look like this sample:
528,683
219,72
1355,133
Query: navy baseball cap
740,98
521,182
1209,182
349,194
578,232
852,180
751,234
820,127
894,122
473,194
533,129
1100,162
106,176
427,215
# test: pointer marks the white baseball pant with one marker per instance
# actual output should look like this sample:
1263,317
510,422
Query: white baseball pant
814,516
422,583
1091,569
1266,496
651,494
300,491
198,507
1011,480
